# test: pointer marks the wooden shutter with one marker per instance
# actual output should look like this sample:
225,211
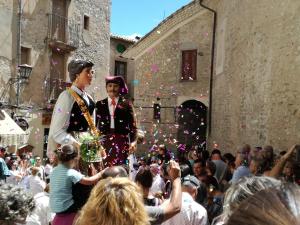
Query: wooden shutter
189,65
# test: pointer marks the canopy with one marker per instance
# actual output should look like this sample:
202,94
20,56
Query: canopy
10,132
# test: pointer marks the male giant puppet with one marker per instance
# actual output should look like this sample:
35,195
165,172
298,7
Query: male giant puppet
115,119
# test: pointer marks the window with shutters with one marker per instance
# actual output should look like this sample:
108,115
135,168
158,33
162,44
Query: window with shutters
189,65
120,69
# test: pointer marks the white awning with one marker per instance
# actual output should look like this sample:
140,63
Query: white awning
10,132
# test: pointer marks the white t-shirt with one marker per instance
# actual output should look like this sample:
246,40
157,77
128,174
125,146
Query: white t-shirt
48,170
13,178
42,213
36,185
157,185
191,213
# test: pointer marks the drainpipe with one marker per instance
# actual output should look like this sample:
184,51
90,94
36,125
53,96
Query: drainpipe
212,65
18,61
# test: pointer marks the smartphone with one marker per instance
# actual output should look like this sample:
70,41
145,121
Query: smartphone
297,147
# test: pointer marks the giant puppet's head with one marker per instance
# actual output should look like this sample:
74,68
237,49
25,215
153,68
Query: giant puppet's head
115,86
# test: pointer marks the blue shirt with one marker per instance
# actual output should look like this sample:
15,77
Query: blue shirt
241,171
61,181
4,171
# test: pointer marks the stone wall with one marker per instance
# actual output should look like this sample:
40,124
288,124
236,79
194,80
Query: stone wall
34,28
256,94
7,38
94,44
158,72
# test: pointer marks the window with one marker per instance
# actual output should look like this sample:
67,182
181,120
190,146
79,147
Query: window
86,22
25,55
120,69
189,65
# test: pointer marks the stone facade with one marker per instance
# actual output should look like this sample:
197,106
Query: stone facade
157,58
38,34
256,94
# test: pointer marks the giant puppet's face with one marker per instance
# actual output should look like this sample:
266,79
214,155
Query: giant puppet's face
85,78
113,90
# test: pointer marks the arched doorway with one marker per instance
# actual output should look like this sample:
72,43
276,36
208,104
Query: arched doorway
192,115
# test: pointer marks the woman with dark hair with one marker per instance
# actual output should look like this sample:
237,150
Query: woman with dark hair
144,179
210,170
62,179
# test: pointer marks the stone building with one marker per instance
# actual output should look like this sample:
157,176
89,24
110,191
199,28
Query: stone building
120,65
256,94
52,33
172,68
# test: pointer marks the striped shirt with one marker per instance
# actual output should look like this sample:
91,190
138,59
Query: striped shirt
4,171
61,181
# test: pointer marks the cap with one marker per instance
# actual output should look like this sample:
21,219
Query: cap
190,181
118,80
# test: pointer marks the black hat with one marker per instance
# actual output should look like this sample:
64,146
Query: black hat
76,66
118,80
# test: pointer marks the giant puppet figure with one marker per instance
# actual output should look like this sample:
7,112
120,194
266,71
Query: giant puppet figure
116,120
74,109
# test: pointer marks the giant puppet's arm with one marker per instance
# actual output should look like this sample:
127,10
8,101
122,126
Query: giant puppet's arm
60,122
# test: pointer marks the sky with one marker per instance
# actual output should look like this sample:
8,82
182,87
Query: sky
137,17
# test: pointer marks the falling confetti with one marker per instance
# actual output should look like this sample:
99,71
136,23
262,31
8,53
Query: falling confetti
135,82
154,68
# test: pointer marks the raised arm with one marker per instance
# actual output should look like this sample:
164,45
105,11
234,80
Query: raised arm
174,205
277,169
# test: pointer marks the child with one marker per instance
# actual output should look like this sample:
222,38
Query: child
62,178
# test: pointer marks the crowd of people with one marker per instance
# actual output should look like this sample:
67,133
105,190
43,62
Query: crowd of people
194,187
100,181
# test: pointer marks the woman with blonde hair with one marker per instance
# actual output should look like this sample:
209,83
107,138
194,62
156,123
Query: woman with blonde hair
114,201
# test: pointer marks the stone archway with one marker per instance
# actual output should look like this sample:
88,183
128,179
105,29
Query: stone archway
192,121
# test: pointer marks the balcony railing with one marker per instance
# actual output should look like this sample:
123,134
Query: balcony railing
63,31
53,87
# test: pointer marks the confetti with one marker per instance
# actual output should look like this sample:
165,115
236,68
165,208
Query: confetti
135,82
154,68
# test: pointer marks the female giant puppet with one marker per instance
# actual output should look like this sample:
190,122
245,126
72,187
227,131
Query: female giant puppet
115,119
72,116
74,109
